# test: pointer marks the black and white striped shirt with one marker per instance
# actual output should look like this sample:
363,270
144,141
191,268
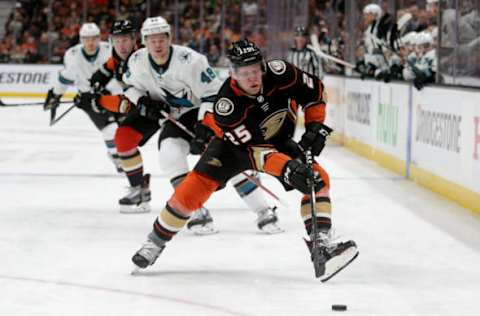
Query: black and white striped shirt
307,60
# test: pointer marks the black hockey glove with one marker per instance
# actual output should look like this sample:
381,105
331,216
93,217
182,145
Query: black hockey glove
361,68
299,175
315,137
99,79
88,102
203,135
420,80
152,109
52,101
383,75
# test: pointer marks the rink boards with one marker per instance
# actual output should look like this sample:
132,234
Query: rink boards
430,136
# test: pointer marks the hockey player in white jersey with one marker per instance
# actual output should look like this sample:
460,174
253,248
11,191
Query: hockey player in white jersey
374,57
426,65
422,63
165,78
80,62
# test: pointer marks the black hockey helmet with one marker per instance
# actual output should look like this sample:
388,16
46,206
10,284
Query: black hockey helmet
122,27
244,53
301,31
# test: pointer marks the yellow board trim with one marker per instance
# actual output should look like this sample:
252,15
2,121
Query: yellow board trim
382,158
32,94
455,192
463,196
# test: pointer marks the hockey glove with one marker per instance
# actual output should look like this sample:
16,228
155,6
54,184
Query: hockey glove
420,80
315,137
203,135
383,75
152,109
299,176
99,79
88,102
52,101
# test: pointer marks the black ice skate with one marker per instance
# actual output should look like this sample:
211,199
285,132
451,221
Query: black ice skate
138,198
147,255
201,223
267,221
332,257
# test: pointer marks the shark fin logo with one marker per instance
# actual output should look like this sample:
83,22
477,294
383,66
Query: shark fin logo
178,102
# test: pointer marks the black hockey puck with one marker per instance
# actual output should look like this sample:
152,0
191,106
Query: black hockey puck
339,308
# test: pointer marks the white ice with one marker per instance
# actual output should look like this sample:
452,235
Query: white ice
65,248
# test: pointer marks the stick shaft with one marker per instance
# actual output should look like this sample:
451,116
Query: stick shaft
55,120
314,231
316,48
29,103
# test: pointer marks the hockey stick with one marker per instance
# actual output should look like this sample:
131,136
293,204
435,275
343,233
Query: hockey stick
53,111
315,46
249,177
314,239
29,103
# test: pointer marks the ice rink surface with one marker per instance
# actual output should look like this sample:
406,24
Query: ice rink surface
66,249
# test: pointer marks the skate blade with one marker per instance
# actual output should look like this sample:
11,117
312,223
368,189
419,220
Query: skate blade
272,229
135,270
203,230
338,263
135,209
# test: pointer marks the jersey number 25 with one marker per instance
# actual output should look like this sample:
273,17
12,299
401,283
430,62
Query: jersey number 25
239,135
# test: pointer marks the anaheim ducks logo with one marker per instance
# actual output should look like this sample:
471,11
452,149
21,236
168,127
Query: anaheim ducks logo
272,124
224,107
277,66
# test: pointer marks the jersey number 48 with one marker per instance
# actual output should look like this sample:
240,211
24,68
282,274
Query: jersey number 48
207,76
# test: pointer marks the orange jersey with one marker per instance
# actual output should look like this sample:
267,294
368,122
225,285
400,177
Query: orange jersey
115,67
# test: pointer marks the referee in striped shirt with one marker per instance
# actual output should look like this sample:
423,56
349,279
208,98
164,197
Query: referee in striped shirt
302,56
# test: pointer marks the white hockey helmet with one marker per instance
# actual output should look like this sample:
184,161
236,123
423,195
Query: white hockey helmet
89,30
409,38
374,9
155,25
424,38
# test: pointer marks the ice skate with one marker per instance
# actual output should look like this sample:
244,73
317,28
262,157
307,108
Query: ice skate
138,198
147,255
332,256
201,223
267,221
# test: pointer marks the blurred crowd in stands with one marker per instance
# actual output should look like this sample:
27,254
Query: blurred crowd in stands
30,38
387,43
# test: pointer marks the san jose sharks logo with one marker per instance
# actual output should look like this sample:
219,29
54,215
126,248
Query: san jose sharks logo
179,99
185,57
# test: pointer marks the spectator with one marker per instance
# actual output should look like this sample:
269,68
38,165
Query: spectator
43,47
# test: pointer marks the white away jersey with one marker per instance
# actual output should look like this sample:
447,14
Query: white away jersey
79,67
186,82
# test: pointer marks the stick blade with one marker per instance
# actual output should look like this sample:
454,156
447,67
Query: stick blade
53,113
